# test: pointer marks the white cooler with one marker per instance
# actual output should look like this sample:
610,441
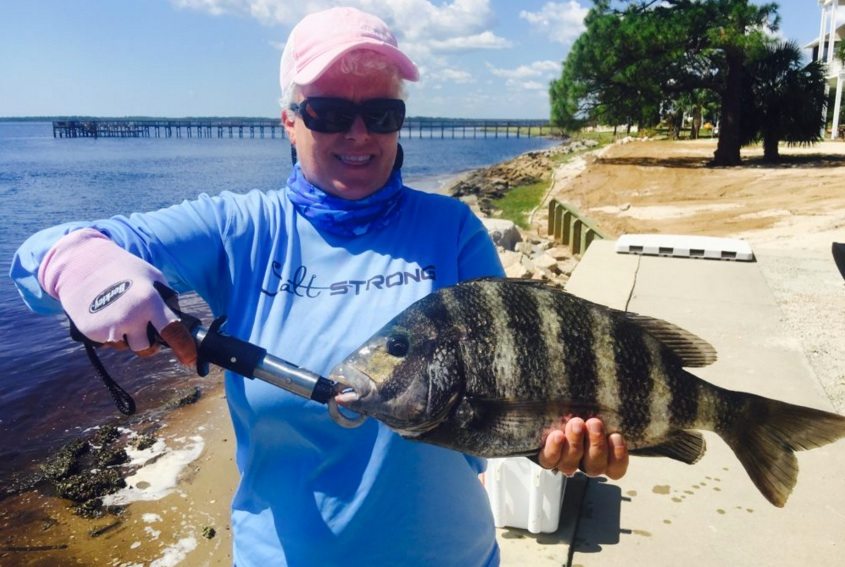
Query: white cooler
524,495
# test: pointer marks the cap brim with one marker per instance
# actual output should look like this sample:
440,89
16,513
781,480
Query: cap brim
319,65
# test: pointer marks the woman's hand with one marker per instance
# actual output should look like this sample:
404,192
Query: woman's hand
586,446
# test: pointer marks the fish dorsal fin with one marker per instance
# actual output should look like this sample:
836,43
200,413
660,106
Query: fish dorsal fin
692,350
685,446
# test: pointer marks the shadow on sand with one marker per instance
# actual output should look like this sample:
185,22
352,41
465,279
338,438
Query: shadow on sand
757,162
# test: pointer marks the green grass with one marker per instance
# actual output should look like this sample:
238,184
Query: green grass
519,201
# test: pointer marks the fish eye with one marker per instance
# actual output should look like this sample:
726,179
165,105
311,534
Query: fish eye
397,345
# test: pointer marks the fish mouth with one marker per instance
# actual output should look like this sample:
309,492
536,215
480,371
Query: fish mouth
358,392
354,387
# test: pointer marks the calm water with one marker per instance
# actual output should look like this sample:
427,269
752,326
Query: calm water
48,391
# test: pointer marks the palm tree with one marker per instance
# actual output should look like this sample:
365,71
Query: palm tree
783,98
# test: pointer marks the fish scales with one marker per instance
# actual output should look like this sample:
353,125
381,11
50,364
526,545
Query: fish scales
522,370
660,396
685,407
507,351
480,330
486,367
443,311
633,362
553,347
604,349
579,360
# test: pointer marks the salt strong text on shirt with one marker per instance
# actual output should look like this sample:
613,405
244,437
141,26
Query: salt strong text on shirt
303,285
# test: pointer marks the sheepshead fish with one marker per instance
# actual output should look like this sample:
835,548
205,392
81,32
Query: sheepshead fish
486,367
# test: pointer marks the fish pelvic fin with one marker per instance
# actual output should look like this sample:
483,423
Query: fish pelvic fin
768,433
685,446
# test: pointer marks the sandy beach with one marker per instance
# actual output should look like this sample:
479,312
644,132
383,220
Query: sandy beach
790,213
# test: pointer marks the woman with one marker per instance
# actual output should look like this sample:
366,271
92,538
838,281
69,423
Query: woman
310,272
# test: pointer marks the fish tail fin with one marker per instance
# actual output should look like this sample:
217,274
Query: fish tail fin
765,435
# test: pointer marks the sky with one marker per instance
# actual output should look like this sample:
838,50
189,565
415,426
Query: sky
175,58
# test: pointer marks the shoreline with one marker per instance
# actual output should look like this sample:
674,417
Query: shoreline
174,529
178,508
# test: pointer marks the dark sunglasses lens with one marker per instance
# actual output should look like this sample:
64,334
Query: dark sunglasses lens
383,116
333,115
328,115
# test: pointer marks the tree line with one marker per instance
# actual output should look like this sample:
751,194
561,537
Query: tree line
643,61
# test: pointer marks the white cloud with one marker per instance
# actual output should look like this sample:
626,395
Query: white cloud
410,19
523,85
562,22
431,32
453,76
214,7
535,69
532,77
483,40
268,12
534,86
423,27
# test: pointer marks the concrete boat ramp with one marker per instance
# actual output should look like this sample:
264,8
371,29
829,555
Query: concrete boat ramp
666,513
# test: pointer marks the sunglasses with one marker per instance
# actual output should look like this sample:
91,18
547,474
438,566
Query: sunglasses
333,115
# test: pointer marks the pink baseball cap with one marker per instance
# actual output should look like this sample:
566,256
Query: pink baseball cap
321,38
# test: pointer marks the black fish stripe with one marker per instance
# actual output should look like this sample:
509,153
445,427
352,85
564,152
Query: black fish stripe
529,360
579,356
685,406
439,312
501,352
469,310
633,373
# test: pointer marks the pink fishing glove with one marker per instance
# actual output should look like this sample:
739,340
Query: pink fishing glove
107,292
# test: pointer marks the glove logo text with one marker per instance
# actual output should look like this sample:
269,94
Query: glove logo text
109,296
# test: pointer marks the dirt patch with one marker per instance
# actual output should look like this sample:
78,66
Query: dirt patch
667,187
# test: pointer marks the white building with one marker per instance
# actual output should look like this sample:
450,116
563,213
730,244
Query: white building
823,50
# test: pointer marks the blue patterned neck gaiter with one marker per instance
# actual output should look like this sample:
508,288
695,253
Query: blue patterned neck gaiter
343,217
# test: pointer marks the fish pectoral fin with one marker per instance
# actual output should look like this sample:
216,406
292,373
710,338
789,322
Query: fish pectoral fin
685,446
529,415
502,413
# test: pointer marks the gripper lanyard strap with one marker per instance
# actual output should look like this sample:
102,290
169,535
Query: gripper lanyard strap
122,399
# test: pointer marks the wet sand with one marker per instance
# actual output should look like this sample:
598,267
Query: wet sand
174,529
798,208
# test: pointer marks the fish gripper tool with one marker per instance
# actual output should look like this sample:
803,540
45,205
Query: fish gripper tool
253,361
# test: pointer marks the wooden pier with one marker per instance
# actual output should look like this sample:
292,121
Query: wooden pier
271,128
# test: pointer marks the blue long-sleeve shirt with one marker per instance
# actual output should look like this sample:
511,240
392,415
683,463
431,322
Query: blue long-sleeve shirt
311,492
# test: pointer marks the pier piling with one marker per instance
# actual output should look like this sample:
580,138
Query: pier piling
258,127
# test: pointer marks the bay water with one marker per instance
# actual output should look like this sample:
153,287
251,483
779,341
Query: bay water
49,392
